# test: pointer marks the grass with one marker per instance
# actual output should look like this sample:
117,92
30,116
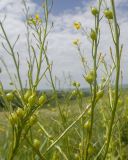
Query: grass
50,119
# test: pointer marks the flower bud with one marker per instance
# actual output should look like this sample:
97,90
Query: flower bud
108,14
89,112
10,96
89,78
77,84
74,84
94,11
42,99
27,95
93,35
99,94
87,125
74,92
33,119
20,112
36,144
76,42
13,118
77,25
32,99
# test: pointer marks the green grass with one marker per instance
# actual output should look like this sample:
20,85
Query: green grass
50,119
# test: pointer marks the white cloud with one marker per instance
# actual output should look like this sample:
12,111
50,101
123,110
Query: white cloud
61,51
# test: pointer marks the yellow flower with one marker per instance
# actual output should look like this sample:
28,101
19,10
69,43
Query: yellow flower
77,25
36,20
76,42
37,17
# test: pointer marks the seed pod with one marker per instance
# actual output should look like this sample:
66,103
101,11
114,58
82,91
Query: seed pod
108,14
42,99
13,118
77,84
80,146
87,125
93,35
74,84
94,11
74,92
33,120
10,96
20,112
92,72
99,94
89,78
27,95
36,144
89,112
32,100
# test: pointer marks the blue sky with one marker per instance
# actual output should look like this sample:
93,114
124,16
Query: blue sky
64,5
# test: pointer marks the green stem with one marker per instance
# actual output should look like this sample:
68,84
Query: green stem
14,58
67,129
117,44
95,46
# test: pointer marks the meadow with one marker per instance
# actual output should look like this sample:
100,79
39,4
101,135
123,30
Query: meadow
75,124
69,147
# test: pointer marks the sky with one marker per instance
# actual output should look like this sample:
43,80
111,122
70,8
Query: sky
61,52
61,6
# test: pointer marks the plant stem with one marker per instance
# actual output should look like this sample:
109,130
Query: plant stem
117,44
94,54
67,129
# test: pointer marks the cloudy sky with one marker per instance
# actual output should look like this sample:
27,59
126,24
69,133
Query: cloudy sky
61,51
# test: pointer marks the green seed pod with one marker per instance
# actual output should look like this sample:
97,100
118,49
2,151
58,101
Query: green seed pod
99,94
20,112
74,92
89,112
80,146
93,35
92,72
10,96
13,118
108,14
74,84
42,99
87,125
94,11
32,100
36,144
27,95
33,119
89,78
77,84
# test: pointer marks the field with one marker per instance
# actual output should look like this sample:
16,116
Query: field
69,147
